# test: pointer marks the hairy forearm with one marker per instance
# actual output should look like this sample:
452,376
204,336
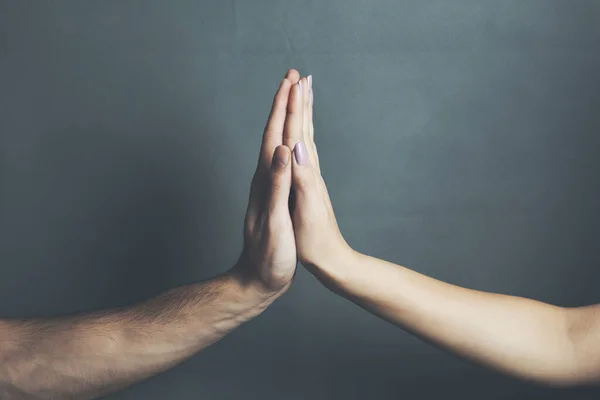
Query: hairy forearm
89,355
521,337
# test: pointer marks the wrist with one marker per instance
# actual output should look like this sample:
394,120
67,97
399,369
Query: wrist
250,284
336,271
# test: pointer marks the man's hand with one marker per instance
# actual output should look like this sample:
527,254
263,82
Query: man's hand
269,256
92,354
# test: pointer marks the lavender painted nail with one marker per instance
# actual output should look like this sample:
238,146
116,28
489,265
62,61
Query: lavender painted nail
311,97
310,82
300,86
300,153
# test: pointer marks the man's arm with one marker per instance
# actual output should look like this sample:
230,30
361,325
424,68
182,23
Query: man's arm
521,337
89,355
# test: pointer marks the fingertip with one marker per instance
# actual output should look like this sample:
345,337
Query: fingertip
292,75
281,157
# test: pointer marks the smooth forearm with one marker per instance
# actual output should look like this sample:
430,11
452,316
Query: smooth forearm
517,336
88,355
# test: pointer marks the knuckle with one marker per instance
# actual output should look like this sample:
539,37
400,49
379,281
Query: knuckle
289,133
304,182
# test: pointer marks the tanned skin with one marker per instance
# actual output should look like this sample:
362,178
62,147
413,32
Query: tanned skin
93,354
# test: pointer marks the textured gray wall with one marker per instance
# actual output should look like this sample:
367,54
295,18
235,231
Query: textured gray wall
458,138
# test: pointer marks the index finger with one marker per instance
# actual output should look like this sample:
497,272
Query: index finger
273,134
292,132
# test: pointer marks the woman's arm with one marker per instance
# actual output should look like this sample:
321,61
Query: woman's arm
521,337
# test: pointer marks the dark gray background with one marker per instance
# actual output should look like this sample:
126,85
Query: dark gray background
458,138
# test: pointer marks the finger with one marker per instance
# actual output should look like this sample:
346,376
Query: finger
273,134
305,99
293,76
307,126
292,132
305,121
304,180
311,129
281,180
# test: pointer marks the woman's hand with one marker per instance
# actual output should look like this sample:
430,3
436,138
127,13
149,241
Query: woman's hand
320,245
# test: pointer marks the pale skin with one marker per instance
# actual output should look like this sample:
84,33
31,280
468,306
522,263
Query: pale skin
517,336
90,355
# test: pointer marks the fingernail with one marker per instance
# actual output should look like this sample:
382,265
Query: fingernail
310,81
300,86
300,153
311,97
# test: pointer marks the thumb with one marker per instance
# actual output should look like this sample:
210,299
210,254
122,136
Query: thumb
281,179
303,177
